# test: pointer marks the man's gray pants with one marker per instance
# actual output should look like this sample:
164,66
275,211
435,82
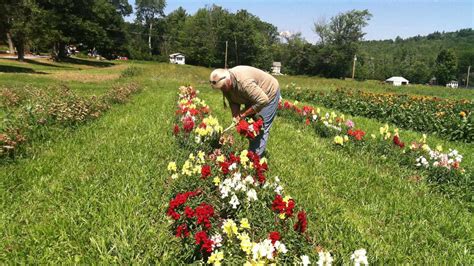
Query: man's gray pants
268,113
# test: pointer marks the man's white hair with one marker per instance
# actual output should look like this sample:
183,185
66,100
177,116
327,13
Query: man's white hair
219,76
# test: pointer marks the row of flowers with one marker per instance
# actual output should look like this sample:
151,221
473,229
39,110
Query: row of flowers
452,119
29,112
224,207
439,166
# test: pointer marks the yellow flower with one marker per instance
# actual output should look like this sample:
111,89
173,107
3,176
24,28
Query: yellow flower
339,140
439,148
230,228
191,157
462,113
243,157
373,136
286,199
216,181
215,258
425,147
244,223
263,160
346,138
296,102
395,132
175,176
172,167
318,110
220,158
282,216
245,243
201,156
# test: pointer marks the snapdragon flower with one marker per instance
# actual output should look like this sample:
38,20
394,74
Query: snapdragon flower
359,257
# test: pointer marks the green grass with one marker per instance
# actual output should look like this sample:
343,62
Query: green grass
323,84
97,194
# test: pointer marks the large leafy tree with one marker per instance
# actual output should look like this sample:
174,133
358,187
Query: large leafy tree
94,23
339,39
147,12
19,21
446,66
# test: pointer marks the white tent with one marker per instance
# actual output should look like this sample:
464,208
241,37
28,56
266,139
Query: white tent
397,81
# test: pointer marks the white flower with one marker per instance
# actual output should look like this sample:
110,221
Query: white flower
233,166
263,249
197,139
252,195
280,247
248,179
224,191
359,257
216,241
325,258
234,201
278,189
305,260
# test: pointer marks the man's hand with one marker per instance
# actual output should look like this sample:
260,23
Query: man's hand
236,119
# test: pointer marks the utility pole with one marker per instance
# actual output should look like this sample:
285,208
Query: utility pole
225,64
354,66
468,72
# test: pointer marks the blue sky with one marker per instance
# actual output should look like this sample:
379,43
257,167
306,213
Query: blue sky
391,18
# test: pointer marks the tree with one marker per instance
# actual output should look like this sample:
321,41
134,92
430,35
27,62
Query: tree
147,11
339,40
19,23
446,66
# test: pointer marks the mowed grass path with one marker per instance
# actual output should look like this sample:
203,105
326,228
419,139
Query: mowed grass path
98,194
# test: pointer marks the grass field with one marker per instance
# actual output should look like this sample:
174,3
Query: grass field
97,193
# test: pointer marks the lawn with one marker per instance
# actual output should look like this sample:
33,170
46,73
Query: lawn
98,194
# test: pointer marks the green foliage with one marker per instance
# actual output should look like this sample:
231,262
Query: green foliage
446,66
452,119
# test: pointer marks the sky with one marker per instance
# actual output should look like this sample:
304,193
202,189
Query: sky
390,18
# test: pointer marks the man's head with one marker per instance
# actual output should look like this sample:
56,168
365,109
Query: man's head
220,79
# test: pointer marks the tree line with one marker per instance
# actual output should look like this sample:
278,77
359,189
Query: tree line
49,26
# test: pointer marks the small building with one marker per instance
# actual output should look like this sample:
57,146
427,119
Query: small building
452,84
177,58
397,81
276,68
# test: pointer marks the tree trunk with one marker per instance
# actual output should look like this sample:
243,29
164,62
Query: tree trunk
10,43
149,36
20,48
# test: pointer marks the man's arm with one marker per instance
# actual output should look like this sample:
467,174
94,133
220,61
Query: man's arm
257,96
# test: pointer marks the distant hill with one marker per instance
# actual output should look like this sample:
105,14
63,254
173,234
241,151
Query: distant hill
414,57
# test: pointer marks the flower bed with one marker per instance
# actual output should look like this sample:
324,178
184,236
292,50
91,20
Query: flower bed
439,167
452,119
224,208
30,112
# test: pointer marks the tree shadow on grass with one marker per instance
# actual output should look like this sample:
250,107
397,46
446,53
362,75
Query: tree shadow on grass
34,62
78,61
17,69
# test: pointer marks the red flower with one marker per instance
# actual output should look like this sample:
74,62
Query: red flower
280,206
205,171
307,122
189,212
357,134
175,129
203,213
188,124
182,231
249,130
398,142
225,167
202,239
274,237
302,223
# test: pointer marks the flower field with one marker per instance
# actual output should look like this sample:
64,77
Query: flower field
142,184
449,118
